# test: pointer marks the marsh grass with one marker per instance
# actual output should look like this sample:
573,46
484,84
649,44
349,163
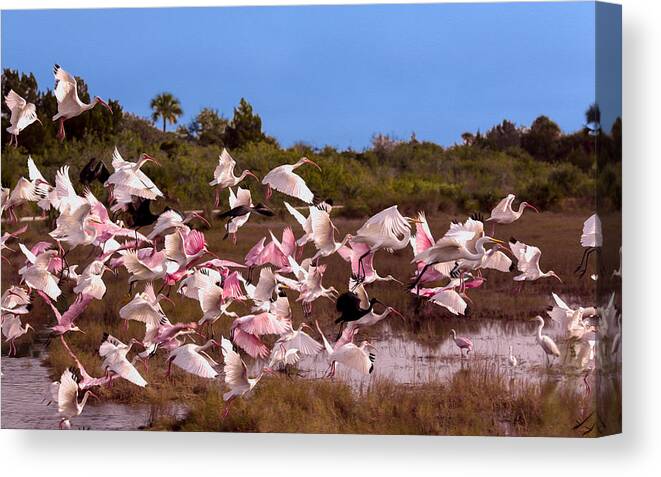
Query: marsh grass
477,401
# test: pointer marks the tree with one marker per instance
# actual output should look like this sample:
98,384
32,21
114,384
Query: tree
503,136
209,127
245,127
541,140
166,107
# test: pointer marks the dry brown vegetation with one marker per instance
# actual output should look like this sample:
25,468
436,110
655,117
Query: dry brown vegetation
475,401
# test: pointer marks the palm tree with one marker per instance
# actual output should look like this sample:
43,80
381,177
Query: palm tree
167,107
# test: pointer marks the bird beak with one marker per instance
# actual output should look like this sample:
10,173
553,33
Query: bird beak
105,105
532,207
313,163
494,240
560,279
392,310
39,121
147,157
413,221
202,219
252,175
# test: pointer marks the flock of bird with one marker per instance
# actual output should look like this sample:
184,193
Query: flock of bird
174,255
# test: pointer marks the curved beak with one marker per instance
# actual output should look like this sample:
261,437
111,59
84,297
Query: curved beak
198,216
105,105
249,173
147,157
313,163
392,310
532,207
39,121
560,279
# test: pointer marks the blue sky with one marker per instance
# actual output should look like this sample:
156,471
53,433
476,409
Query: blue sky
328,74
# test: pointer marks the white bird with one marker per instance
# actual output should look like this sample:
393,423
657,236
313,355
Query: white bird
528,262
323,234
128,180
35,189
223,175
236,374
22,115
145,307
387,230
370,318
359,358
114,353
68,104
592,239
146,265
15,300
65,392
241,198
12,329
36,273
511,359
504,213
308,283
546,342
292,346
283,179
90,282
170,221
193,359
213,305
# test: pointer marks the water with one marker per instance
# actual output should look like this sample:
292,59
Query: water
24,403
404,355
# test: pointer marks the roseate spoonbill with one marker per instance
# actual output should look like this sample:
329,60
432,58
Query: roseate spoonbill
65,321
236,374
293,345
15,300
22,115
351,252
129,180
185,246
592,239
223,175
503,213
387,230
421,241
462,343
276,252
246,330
170,221
94,170
283,179
323,234
12,329
546,342
511,359
65,392
193,359
449,249
528,262
114,353
68,104
37,272
359,358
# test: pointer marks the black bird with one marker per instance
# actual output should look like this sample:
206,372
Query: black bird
348,304
242,210
95,169
141,215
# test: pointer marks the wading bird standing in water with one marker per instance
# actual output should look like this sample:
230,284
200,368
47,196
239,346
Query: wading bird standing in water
223,175
283,179
462,343
546,342
22,115
68,104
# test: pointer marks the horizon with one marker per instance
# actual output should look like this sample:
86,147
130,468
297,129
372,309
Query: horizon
283,56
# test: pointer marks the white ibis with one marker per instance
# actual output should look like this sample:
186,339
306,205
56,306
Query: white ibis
283,179
90,282
65,392
592,239
128,181
323,234
546,342
236,374
22,115
68,104
504,213
170,221
114,353
194,359
223,175
528,262
387,230
292,346
359,358
37,272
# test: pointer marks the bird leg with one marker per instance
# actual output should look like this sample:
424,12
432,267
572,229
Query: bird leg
419,276
227,408
216,201
61,134
268,193
583,267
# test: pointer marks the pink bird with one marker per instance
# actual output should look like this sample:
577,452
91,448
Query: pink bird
245,332
65,322
421,241
462,343
351,253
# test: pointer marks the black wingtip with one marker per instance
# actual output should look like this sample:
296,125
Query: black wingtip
105,337
513,240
